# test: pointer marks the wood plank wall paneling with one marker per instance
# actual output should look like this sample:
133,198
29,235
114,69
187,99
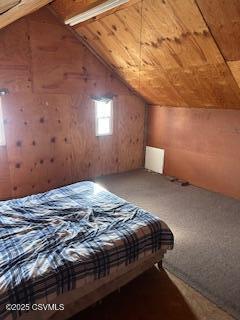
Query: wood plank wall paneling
166,51
202,146
49,115
15,57
5,186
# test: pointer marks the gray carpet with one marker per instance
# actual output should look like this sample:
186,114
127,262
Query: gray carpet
206,226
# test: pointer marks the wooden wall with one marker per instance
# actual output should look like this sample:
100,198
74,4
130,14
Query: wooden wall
49,114
202,146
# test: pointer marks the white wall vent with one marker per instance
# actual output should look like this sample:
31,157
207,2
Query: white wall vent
154,159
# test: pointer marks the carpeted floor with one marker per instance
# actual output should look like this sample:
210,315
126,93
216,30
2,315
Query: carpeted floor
206,226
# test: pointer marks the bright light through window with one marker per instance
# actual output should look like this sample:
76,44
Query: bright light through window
104,117
2,135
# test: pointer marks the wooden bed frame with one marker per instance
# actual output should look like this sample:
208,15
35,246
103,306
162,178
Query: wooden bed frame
76,300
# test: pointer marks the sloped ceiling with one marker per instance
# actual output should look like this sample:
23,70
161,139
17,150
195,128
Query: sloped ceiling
182,53
7,4
223,19
11,10
67,9
173,52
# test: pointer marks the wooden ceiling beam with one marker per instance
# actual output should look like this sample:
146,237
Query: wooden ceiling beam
20,10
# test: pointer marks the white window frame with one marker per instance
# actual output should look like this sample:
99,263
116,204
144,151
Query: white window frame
109,117
2,133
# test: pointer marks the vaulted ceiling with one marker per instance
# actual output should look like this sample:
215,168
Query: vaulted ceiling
168,53
182,53
11,10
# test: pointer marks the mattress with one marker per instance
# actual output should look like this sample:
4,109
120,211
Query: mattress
53,242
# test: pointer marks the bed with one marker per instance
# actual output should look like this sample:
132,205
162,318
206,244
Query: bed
72,246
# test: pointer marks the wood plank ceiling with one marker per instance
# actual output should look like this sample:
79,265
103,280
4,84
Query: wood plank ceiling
68,9
12,10
173,52
7,4
182,53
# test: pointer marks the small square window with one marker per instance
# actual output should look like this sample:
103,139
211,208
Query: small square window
2,135
104,117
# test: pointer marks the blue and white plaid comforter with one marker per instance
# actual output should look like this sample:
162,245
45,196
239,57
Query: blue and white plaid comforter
51,240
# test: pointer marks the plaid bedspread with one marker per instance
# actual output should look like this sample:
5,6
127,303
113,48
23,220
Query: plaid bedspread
51,240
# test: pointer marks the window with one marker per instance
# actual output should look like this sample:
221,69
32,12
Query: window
104,117
2,135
